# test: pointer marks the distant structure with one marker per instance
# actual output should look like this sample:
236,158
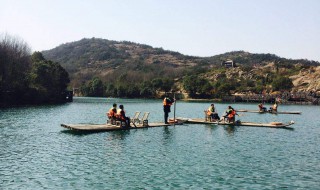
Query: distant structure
76,92
228,63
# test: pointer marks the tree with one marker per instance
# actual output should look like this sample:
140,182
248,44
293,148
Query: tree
190,85
14,66
197,86
146,92
282,83
157,83
110,90
167,84
37,56
48,78
94,88
26,78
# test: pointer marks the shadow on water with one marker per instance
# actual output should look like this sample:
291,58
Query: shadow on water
79,133
288,128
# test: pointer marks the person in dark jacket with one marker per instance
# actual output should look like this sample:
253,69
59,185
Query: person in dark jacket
167,102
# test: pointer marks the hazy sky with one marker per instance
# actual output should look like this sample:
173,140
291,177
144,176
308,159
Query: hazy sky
287,28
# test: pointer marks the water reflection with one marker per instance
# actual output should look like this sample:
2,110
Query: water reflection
118,135
167,135
230,129
211,127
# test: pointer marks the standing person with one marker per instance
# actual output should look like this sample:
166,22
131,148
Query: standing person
122,116
167,102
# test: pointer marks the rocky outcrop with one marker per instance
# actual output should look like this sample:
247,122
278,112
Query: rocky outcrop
307,80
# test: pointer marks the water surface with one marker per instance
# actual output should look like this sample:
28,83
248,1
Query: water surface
36,153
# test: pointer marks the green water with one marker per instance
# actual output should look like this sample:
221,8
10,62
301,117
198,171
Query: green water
36,153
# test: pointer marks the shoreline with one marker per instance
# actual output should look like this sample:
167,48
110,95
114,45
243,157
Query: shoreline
218,100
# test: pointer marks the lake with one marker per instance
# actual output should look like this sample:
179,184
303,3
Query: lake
36,153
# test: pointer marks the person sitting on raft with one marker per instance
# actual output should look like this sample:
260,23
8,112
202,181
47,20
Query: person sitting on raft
262,108
274,108
230,115
121,116
211,112
112,113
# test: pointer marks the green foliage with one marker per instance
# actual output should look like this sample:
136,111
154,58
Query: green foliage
167,84
224,86
37,57
282,83
49,79
28,79
196,86
146,92
94,88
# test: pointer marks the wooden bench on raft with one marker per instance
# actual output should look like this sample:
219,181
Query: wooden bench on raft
143,121
208,117
134,120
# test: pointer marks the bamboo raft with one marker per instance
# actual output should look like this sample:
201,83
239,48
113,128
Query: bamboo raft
109,127
247,124
273,112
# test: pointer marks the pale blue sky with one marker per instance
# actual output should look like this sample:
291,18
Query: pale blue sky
287,28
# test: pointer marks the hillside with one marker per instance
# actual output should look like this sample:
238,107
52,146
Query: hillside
120,66
98,57
307,79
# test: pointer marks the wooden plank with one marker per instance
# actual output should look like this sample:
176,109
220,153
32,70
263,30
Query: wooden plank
278,112
248,124
109,127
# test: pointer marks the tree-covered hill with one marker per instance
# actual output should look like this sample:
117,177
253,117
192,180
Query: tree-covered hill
100,67
87,58
27,78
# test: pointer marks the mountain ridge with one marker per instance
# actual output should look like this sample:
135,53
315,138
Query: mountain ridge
108,60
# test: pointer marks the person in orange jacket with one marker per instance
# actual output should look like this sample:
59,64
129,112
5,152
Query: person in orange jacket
232,115
121,115
112,112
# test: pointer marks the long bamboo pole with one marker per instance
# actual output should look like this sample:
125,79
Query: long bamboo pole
174,109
